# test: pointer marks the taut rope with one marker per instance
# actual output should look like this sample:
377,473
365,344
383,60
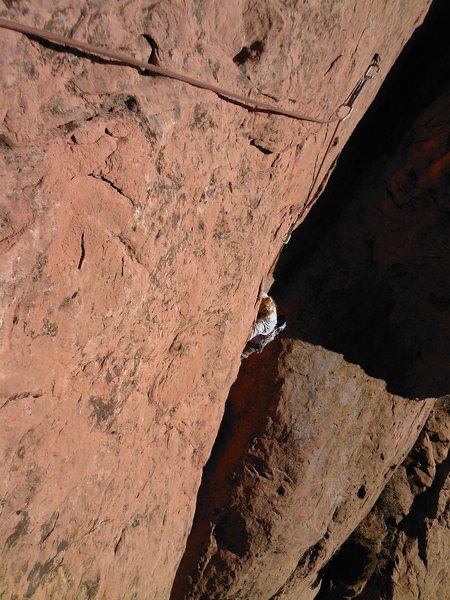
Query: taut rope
129,60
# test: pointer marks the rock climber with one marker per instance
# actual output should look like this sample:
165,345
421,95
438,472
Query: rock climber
265,328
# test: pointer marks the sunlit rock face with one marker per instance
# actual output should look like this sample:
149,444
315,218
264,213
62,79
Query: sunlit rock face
139,219
318,423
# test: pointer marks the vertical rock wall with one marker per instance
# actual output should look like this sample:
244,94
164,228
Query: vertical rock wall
343,396
139,217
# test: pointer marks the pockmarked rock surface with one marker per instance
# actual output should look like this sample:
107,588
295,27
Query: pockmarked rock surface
139,217
317,424
419,567
288,487
404,540
407,530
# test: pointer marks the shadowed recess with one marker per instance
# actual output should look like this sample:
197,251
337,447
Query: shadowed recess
368,272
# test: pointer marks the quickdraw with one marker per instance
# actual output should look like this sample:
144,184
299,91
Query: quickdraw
348,104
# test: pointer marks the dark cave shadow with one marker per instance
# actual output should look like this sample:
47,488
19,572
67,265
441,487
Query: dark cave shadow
344,285
330,282
391,322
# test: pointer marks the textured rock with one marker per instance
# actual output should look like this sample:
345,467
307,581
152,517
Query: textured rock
136,211
311,438
420,560
409,525
291,477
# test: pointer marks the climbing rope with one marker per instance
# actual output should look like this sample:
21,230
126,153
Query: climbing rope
340,114
373,67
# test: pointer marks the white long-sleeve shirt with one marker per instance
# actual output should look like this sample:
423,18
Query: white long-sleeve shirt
264,326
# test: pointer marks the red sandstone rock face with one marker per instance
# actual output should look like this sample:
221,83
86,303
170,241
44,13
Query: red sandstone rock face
408,527
138,222
303,476
310,438
423,539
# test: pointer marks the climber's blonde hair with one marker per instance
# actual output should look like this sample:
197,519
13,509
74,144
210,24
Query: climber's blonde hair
266,307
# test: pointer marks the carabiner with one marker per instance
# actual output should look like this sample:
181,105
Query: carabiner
375,64
349,111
